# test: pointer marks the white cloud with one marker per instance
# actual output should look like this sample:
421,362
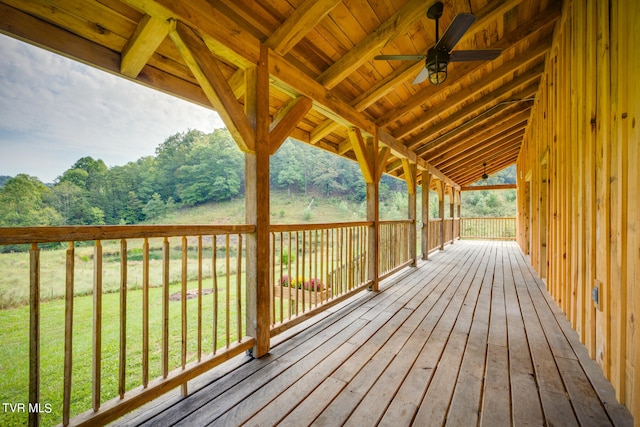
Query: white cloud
54,111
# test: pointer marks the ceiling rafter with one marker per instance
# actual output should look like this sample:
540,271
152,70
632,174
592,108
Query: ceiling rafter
359,54
408,71
483,105
489,148
498,121
299,23
503,71
149,33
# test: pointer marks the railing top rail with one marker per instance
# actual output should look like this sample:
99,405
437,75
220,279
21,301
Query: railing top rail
22,235
304,227
397,221
489,217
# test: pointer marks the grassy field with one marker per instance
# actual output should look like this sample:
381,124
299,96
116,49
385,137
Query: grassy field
14,314
15,339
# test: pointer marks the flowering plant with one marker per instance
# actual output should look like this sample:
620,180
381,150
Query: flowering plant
312,284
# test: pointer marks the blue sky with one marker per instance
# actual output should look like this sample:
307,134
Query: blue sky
54,111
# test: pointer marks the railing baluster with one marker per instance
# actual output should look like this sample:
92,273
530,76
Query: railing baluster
68,333
272,293
214,263
97,324
227,289
123,318
183,311
199,298
303,278
239,287
281,277
34,332
165,307
145,313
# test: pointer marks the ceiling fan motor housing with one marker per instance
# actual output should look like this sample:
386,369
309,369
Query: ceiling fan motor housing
436,65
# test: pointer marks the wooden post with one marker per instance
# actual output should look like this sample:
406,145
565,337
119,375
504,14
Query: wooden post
426,183
410,171
452,193
459,200
441,189
373,212
257,207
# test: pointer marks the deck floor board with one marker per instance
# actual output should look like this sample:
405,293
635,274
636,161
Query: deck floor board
470,337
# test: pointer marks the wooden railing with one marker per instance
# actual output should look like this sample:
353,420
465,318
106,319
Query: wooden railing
435,229
314,266
448,230
167,303
158,344
488,228
394,246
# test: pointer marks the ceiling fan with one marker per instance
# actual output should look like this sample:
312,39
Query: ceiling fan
439,56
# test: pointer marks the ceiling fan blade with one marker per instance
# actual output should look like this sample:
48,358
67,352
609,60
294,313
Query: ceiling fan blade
456,30
399,57
474,55
422,76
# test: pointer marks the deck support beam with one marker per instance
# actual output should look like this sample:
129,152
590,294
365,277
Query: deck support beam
410,176
441,190
373,207
257,207
452,196
426,184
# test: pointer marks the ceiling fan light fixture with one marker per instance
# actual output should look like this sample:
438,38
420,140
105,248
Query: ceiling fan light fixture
484,175
436,65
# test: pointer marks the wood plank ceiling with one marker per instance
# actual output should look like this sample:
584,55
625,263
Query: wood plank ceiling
322,68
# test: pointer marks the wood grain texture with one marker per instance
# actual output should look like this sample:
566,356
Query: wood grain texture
470,336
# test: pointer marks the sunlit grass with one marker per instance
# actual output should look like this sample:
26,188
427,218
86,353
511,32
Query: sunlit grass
14,361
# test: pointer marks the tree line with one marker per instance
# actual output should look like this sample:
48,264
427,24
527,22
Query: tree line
189,169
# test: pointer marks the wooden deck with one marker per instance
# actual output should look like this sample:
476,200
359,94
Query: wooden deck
469,337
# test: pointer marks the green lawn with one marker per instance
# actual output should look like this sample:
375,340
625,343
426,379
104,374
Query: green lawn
15,349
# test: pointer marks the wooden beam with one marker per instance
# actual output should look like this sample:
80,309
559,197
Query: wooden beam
470,146
289,79
148,35
426,185
409,176
408,71
286,120
306,16
223,36
489,187
362,156
503,118
29,29
398,23
504,71
484,105
205,68
257,209
373,214
383,157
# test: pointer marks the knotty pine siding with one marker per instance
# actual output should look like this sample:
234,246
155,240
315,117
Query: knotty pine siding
578,182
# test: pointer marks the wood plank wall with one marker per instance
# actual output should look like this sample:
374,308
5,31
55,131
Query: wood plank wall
578,207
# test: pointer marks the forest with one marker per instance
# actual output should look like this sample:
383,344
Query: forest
193,168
